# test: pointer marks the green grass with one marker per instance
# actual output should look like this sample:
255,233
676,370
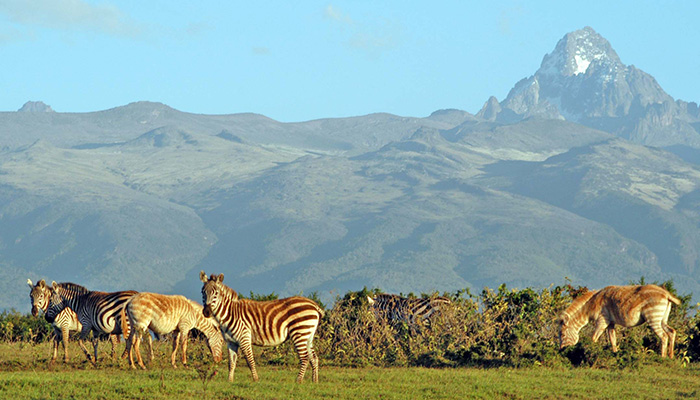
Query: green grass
26,374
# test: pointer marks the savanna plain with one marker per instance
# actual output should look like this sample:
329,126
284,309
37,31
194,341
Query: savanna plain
26,374
499,344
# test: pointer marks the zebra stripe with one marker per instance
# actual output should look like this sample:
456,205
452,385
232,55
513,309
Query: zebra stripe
626,306
164,314
401,309
64,322
245,323
98,312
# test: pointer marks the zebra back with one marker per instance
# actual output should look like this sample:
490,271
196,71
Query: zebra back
98,311
410,310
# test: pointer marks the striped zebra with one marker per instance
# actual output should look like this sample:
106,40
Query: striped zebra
401,309
64,322
98,312
245,323
626,306
164,314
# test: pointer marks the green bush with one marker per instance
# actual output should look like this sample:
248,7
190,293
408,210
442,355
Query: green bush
18,327
502,327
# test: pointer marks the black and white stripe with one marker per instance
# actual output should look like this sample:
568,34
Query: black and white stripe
245,323
65,322
98,312
401,309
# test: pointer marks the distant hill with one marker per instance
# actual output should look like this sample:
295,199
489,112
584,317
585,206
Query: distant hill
557,181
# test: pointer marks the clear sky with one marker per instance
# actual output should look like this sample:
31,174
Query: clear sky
302,60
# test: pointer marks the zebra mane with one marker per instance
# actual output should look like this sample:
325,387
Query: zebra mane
229,292
73,288
579,305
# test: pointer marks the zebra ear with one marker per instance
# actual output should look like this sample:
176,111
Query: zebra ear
54,284
203,277
220,278
29,282
42,283
370,300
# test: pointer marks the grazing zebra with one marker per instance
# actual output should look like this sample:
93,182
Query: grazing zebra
620,305
65,321
98,312
164,314
245,323
397,308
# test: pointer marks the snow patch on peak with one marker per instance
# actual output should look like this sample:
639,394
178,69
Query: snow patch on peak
581,65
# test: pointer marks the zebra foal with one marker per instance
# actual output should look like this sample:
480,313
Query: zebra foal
98,312
396,308
626,306
245,323
164,314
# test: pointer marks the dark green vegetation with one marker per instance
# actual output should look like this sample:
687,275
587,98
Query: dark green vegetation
499,344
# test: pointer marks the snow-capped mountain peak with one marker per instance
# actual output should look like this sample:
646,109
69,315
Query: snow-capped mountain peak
583,80
575,52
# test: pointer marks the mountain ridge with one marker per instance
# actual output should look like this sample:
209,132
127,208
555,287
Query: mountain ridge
530,191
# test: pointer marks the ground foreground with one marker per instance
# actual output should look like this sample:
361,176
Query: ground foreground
25,374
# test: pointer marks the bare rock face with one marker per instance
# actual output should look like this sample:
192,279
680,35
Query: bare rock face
35,106
583,80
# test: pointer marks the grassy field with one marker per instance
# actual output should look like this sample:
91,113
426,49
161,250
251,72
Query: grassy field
25,373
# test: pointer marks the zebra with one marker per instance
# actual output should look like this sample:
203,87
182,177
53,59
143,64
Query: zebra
401,309
245,323
65,321
98,312
164,314
626,306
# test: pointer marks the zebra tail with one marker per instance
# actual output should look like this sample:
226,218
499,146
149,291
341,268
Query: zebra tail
673,299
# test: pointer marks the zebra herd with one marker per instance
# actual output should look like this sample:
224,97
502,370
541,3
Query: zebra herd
242,323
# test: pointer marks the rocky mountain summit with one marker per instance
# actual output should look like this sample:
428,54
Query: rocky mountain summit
35,106
583,80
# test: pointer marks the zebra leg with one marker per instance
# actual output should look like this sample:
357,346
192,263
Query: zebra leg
600,326
54,343
671,338
661,333
95,342
83,336
129,350
247,347
314,365
137,346
612,337
302,347
114,339
150,348
176,343
232,358
184,347
64,339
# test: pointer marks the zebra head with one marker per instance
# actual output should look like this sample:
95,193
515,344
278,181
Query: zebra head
56,303
211,292
568,334
39,296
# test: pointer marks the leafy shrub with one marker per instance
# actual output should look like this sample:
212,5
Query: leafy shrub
502,327
18,327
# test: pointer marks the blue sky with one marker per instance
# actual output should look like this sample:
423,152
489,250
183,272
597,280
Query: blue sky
302,60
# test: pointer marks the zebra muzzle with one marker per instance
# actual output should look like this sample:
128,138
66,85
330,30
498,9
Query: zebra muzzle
206,311
35,311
